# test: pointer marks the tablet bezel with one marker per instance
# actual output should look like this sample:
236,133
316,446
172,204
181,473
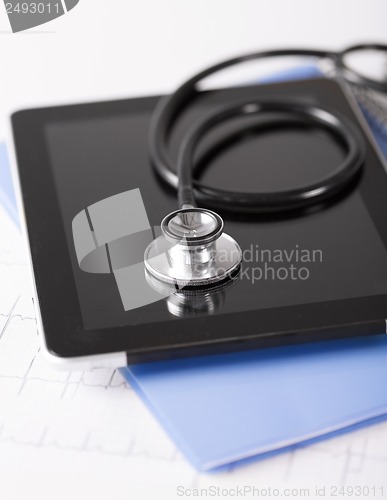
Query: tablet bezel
56,294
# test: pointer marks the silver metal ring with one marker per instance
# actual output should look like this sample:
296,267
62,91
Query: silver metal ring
192,251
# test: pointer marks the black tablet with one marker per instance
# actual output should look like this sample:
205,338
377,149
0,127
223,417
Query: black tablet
320,274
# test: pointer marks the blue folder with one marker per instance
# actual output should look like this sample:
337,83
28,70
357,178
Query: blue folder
226,408
7,194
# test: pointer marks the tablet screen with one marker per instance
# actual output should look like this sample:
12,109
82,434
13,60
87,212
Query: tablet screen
332,253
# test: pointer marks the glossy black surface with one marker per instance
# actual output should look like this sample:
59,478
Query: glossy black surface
71,157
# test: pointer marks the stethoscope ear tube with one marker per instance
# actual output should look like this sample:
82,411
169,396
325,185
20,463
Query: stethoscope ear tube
353,76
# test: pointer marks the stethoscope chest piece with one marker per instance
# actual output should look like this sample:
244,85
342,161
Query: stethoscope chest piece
192,250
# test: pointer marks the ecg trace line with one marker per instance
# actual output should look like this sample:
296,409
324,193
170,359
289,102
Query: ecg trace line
67,383
86,447
5,326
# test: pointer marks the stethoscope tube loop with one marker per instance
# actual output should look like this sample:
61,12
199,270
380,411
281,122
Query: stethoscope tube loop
275,201
169,109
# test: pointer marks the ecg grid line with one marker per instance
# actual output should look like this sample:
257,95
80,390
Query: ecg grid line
64,394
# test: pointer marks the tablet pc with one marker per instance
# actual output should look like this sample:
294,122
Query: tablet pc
315,275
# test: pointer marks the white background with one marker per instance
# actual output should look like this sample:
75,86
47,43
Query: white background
118,48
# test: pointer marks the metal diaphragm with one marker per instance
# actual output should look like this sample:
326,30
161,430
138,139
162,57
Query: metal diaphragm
192,251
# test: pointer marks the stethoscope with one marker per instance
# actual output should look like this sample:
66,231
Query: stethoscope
193,252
